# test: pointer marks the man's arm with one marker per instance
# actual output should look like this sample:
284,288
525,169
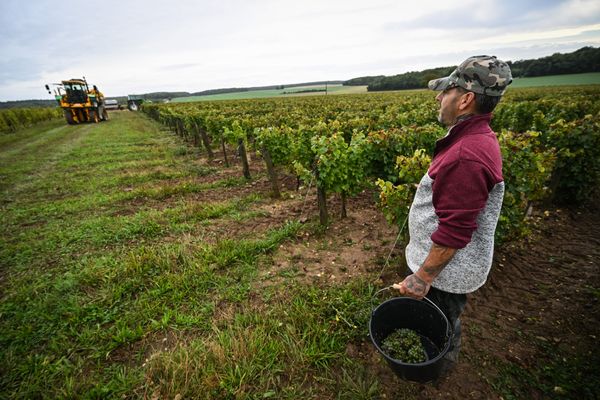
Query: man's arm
417,285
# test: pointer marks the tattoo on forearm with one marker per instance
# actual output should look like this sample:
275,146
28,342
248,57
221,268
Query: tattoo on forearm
433,269
443,255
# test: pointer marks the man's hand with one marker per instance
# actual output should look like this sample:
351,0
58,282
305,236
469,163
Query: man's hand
417,285
413,286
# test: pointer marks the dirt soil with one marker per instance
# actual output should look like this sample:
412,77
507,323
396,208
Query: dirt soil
541,291
351,247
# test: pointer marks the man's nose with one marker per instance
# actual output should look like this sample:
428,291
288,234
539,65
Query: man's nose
439,96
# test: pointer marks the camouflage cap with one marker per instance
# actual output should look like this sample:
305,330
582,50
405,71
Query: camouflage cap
480,74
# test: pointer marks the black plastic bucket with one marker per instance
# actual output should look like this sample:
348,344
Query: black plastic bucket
423,317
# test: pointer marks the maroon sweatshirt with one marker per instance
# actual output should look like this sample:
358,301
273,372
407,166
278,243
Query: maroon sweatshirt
458,203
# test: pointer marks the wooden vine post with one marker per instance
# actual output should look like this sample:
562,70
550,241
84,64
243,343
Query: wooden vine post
196,137
244,156
205,141
272,173
322,202
223,148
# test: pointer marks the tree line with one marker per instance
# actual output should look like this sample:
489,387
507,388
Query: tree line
586,59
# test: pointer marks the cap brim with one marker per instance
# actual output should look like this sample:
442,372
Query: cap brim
439,84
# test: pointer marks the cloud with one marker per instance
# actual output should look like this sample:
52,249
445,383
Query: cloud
24,68
141,46
505,16
175,67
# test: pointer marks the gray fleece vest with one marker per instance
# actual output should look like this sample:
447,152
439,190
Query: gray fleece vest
469,268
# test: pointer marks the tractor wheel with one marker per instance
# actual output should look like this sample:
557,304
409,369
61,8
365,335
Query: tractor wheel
94,116
69,117
81,116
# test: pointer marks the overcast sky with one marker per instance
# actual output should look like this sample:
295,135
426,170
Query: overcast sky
145,46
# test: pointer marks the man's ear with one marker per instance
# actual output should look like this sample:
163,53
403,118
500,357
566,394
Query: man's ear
466,100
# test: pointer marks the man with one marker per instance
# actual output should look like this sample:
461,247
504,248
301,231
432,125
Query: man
457,204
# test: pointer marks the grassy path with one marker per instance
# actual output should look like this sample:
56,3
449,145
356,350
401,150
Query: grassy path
107,278
25,153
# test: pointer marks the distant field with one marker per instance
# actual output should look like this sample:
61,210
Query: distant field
591,78
553,80
292,91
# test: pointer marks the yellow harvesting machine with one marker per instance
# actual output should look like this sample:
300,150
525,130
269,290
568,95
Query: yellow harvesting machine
79,102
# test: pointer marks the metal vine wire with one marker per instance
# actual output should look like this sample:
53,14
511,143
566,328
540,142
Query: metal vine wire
387,261
306,196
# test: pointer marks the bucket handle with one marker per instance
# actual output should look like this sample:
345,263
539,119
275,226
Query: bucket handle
448,328
375,295
436,307
381,290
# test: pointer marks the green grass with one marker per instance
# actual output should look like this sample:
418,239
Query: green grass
117,282
269,347
256,94
590,78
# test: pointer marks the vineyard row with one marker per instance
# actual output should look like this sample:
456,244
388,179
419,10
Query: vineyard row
550,140
13,119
